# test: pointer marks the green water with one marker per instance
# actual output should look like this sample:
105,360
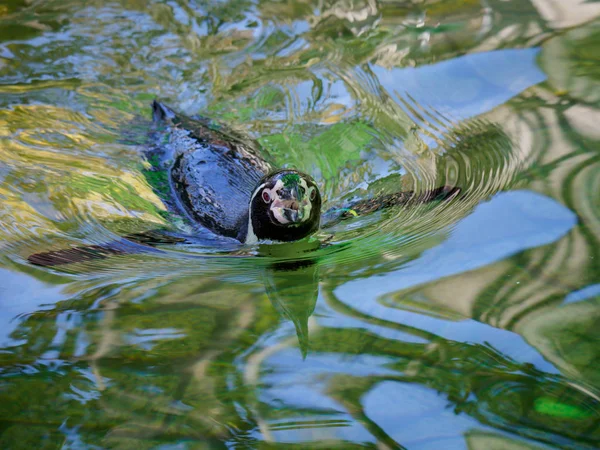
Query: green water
467,324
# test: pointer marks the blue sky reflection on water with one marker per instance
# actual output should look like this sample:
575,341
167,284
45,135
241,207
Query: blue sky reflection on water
467,86
466,323
20,295
431,424
509,223
463,87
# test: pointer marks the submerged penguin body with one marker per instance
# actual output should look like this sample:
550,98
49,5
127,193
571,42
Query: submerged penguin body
222,183
217,179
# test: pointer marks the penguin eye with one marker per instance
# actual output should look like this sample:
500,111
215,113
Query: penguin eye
313,194
266,196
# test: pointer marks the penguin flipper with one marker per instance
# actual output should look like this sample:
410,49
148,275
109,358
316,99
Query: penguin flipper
380,202
131,244
161,112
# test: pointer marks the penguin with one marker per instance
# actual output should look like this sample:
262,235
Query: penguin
218,180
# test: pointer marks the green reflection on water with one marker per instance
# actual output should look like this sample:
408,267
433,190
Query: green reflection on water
264,348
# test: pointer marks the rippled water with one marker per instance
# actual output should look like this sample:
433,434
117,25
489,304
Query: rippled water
468,323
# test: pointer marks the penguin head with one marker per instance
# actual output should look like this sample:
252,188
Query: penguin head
285,206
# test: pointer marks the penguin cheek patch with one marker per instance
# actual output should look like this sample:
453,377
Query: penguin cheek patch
279,215
307,208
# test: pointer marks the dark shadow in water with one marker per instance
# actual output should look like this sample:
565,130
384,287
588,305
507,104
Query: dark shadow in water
293,288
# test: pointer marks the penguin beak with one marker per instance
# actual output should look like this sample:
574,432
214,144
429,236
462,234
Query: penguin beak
289,207
293,214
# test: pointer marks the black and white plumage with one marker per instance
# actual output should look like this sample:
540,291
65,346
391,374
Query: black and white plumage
223,184
285,206
218,179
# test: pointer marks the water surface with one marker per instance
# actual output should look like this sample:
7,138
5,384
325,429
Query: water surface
472,323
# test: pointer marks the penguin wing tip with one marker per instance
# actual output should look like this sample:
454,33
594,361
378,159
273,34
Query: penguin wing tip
39,259
159,111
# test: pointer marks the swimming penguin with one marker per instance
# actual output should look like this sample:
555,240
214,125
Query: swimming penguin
217,179
222,183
